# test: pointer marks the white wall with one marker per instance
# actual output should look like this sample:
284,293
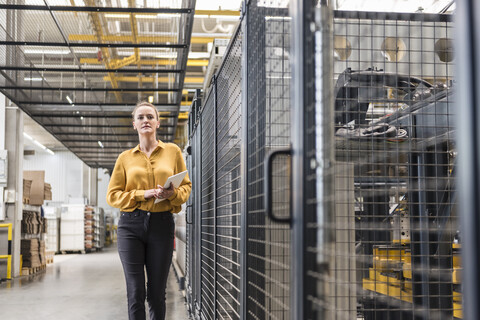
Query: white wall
62,170
103,180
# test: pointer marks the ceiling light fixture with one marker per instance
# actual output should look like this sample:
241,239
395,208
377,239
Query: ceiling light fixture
32,79
69,100
100,144
143,16
29,137
150,99
26,135
46,51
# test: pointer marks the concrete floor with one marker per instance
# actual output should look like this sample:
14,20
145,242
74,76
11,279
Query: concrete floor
77,287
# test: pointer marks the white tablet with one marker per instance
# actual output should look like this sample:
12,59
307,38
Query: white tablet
176,179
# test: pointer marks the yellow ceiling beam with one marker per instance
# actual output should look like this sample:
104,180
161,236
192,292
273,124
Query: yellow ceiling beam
203,40
152,79
183,116
233,13
117,63
97,26
197,63
160,62
133,26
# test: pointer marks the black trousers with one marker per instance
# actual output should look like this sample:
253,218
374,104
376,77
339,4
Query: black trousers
145,242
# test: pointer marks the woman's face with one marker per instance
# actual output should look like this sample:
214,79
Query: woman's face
145,120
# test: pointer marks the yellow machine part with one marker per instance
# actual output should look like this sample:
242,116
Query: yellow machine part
388,290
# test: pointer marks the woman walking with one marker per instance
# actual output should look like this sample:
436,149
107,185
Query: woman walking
146,229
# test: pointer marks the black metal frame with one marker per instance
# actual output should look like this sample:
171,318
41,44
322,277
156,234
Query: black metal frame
467,101
91,70
94,45
95,9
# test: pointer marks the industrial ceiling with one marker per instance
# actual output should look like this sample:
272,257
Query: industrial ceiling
78,70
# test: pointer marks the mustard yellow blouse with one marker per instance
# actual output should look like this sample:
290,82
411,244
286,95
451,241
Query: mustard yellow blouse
134,173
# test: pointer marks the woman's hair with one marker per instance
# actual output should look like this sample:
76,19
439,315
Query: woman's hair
144,104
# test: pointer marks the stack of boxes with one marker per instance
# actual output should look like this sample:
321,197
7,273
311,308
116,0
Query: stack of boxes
33,223
33,253
27,185
35,189
34,226
89,227
47,190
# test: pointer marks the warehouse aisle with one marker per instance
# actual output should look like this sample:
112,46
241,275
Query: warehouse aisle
78,287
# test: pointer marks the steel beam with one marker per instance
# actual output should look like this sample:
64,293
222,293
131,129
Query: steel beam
92,89
95,9
425,17
90,70
94,45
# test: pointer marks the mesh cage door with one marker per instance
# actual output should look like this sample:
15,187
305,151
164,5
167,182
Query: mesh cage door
268,260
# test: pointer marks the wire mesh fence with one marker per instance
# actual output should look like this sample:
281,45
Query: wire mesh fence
394,134
388,247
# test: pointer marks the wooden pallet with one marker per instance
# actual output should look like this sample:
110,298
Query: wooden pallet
49,256
30,271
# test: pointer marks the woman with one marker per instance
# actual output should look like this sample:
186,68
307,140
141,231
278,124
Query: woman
146,229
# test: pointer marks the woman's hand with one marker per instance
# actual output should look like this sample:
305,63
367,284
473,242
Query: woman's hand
160,193
166,193
152,193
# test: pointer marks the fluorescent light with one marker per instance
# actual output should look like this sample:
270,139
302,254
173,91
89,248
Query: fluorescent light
100,144
143,16
150,99
168,15
198,55
29,137
39,144
26,135
165,55
118,16
32,79
225,17
69,100
46,51
81,118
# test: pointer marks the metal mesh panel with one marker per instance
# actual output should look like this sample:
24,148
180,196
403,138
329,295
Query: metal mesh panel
396,248
207,213
59,55
268,105
228,187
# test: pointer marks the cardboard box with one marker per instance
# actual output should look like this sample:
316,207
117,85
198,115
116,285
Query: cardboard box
48,192
37,190
27,185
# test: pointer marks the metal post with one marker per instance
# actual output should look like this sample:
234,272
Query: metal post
312,108
468,138
243,167
198,223
215,196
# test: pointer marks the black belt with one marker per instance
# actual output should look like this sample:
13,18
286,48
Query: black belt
139,211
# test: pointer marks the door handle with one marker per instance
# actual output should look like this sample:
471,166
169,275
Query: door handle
268,184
